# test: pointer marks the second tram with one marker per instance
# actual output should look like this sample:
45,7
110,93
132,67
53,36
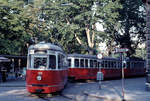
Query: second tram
82,66
46,68
111,67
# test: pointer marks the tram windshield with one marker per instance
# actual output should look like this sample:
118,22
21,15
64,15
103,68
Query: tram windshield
40,62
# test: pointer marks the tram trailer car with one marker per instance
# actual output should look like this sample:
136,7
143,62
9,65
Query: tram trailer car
135,67
82,66
46,68
112,67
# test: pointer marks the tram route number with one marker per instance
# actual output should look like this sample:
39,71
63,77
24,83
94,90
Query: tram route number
99,76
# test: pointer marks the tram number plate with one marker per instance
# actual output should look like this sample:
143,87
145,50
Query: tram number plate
99,76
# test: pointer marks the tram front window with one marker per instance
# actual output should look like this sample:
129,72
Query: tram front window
40,62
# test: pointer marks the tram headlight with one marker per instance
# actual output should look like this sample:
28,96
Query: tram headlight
39,78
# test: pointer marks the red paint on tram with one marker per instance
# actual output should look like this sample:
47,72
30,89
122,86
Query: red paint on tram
83,73
51,81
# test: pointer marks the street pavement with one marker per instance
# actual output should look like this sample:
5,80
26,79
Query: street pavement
111,90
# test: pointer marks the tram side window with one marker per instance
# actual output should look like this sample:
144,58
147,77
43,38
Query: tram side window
95,63
76,62
52,62
60,61
128,64
91,63
132,65
102,64
69,62
28,63
81,62
114,64
106,64
109,64
40,62
86,63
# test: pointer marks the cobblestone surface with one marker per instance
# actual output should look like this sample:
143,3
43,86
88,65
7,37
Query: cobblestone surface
80,91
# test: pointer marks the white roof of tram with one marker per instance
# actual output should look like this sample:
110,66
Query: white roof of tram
82,56
45,46
3,59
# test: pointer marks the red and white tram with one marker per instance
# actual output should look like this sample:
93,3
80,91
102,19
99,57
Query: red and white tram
87,66
135,67
46,68
111,67
82,66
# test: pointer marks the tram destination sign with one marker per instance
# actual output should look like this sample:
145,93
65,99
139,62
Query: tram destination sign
121,50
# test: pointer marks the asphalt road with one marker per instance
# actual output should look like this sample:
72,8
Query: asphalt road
80,91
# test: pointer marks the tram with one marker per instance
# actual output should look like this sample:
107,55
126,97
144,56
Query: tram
111,67
82,66
47,70
86,67
135,67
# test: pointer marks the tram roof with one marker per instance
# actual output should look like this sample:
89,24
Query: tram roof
3,59
43,46
82,56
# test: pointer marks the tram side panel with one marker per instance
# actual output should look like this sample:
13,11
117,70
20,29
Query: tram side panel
82,67
51,81
135,68
111,68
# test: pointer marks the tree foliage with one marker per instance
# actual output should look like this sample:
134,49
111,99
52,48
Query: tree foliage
13,37
70,23
73,20
132,24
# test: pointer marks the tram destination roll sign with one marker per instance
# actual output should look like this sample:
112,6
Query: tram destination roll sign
121,50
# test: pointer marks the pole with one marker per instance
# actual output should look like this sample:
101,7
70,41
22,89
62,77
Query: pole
100,72
123,93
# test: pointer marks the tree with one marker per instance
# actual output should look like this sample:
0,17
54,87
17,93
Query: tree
132,25
13,37
73,20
